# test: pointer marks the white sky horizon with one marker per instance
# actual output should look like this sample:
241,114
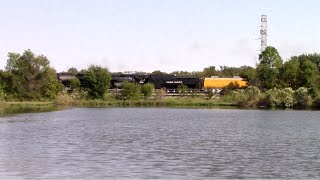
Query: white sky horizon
149,35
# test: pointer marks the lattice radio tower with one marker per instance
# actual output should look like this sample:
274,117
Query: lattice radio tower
264,32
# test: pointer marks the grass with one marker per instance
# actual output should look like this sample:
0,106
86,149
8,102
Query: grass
15,107
26,106
167,102
28,103
110,101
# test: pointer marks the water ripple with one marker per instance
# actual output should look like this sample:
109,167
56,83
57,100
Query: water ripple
133,143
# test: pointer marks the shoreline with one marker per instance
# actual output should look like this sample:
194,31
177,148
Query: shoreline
170,103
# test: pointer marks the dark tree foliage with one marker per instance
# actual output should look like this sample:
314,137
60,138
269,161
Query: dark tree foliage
289,74
315,58
226,71
158,72
268,68
267,77
29,76
308,74
270,56
248,74
74,83
73,70
210,71
231,87
97,81
301,71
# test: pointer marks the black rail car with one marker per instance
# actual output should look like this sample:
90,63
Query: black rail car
159,81
118,79
65,78
173,82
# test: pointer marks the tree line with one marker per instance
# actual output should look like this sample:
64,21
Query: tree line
30,77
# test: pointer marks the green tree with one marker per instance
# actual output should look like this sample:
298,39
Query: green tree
308,74
147,90
248,74
74,83
210,71
268,68
51,87
271,57
97,81
130,91
6,80
315,58
226,71
289,73
30,76
73,70
158,72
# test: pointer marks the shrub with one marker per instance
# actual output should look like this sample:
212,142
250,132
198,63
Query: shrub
252,93
240,97
147,90
74,83
248,97
2,93
79,94
160,93
302,98
65,99
231,87
270,98
182,89
130,91
287,99
210,93
282,98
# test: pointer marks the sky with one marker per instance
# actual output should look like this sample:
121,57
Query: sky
148,35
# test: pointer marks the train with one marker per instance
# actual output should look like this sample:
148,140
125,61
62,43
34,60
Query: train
169,82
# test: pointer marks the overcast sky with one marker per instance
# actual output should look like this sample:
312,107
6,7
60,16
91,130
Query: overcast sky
148,35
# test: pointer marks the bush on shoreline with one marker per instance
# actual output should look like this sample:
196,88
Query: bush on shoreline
273,98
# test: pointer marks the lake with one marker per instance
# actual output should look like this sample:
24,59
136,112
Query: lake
160,143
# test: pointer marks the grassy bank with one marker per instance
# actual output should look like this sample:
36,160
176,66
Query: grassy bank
154,103
112,100
26,107
28,103
201,102
30,106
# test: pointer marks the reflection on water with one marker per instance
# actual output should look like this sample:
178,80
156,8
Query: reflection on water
150,143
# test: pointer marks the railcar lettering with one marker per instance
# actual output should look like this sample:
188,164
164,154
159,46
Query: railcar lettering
174,82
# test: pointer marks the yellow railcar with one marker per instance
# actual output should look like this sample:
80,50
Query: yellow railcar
219,83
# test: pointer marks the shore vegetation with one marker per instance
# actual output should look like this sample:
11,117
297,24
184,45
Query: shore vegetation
273,83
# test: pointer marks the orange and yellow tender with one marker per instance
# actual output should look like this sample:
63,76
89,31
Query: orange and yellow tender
219,83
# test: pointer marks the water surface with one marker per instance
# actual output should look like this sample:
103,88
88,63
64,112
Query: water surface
160,143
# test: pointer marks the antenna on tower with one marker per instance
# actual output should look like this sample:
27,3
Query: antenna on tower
264,32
